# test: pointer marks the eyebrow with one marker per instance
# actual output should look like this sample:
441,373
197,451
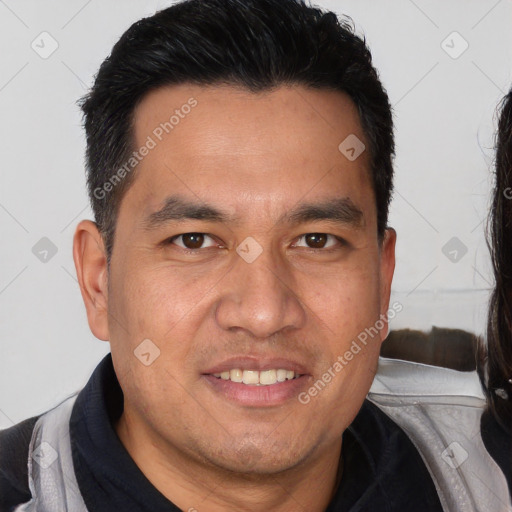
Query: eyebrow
177,208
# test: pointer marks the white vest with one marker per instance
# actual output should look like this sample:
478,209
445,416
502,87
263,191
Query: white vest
439,409
51,477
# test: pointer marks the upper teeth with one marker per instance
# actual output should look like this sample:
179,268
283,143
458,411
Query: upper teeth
255,377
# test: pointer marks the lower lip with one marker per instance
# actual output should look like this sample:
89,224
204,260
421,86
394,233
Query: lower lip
258,396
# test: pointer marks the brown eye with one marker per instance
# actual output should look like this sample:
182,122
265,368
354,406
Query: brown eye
320,241
316,240
193,240
190,241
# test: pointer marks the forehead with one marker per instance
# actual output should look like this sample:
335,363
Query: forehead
222,142
305,113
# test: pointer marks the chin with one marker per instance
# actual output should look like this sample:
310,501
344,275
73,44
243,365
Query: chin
250,459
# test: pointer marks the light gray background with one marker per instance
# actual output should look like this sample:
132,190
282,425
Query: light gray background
445,121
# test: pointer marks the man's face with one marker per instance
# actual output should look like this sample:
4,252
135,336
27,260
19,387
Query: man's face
265,288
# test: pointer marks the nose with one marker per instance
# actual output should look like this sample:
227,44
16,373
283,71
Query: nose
260,298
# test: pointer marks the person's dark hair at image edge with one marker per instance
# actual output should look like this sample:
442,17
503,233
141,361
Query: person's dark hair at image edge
495,360
254,44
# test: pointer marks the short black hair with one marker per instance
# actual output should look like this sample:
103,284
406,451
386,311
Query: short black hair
256,44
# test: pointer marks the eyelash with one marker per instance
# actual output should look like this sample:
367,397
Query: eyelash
341,241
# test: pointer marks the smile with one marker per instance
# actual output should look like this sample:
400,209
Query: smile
257,378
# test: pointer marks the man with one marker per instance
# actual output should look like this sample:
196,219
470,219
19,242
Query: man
239,159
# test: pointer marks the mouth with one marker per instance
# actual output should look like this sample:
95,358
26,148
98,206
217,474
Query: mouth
257,383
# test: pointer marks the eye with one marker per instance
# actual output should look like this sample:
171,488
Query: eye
319,240
193,242
190,241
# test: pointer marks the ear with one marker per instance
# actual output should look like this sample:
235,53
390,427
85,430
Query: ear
387,269
91,268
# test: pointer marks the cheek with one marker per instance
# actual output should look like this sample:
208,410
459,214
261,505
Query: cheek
346,310
153,300
346,301
167,307
156,392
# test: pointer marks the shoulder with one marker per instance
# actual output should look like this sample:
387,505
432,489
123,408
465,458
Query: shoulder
14,445
440,409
